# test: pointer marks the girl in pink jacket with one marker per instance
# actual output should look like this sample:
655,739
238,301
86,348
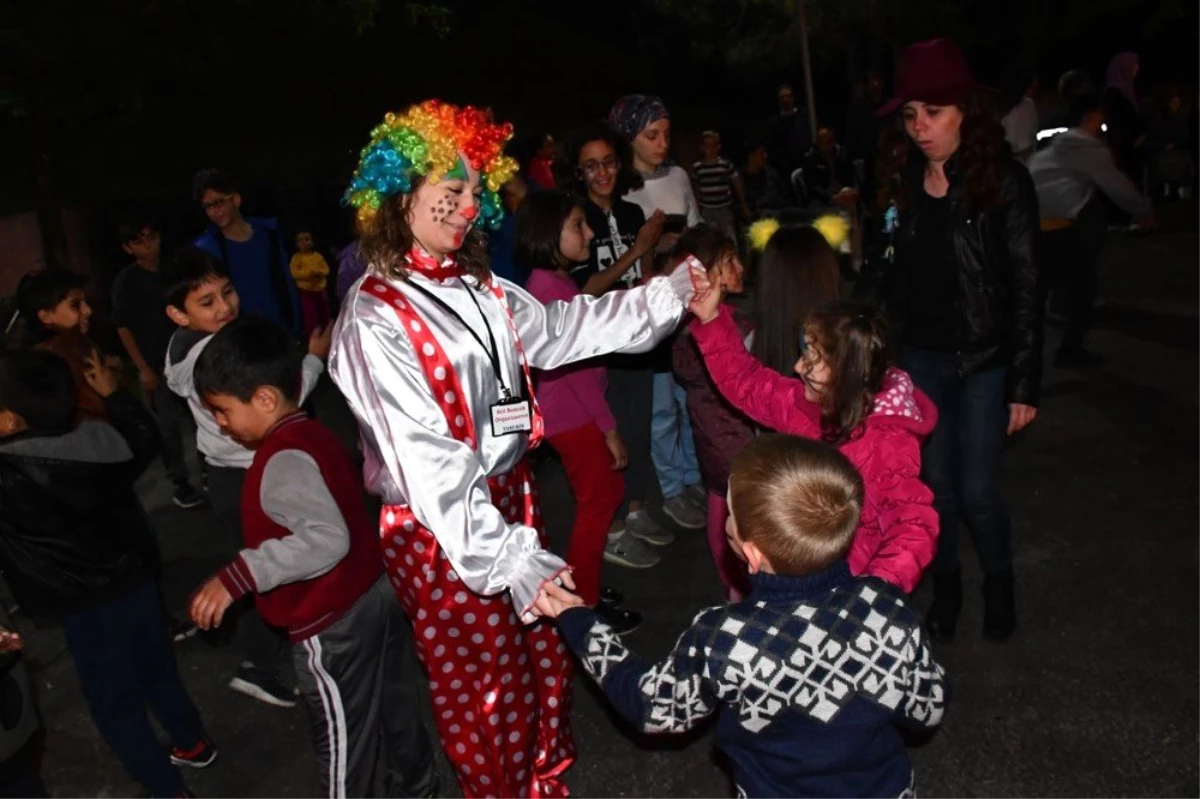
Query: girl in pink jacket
850,396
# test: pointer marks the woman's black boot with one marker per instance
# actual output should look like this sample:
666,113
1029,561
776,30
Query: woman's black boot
947,602
999,606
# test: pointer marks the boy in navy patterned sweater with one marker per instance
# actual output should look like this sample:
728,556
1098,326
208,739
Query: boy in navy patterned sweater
811,671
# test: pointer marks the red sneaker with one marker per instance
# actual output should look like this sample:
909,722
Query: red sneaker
199,756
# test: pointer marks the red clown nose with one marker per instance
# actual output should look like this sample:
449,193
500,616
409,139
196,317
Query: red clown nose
469,213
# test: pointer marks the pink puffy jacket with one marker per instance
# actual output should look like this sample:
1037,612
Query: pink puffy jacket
897,533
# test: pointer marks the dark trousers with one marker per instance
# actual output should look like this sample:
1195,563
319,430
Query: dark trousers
631,397
961,460
125,665
361,687
169,412
258,644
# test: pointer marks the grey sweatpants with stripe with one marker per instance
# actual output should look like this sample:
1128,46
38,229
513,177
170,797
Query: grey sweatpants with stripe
360,681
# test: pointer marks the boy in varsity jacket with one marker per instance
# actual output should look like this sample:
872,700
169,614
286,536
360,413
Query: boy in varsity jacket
312,559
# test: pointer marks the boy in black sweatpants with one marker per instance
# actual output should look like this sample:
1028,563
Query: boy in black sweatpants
76,546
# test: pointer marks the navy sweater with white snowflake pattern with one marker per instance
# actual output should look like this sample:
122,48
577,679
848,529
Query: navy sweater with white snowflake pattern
809,674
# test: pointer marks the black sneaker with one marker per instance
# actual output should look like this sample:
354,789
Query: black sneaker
181,629
622,621
611,596
187,497
201,755
262,686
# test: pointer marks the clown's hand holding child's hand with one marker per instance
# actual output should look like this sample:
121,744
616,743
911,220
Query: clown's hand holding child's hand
689,280
553,599
706,306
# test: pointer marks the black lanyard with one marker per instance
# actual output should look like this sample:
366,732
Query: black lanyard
493,352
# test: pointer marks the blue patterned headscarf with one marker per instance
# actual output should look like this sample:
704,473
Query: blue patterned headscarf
633,113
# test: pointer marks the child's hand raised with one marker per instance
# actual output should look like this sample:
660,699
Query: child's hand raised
209,604
9,641
103,379
319,341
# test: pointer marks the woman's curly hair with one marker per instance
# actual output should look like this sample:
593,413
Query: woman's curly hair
982,156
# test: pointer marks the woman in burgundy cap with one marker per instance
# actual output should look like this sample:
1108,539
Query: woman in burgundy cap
955,268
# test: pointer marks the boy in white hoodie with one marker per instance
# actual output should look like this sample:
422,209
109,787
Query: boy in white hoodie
201,299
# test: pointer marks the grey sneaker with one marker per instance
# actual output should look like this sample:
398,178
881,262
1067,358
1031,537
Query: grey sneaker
642,525
698,496
681,511
627,551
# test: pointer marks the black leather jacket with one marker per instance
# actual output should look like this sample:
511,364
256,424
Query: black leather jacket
73,534
999,305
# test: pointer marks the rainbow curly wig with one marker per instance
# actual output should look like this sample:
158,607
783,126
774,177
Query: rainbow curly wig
425,140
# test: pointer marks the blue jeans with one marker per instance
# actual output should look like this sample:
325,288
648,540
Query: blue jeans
961,460
671,445
125,664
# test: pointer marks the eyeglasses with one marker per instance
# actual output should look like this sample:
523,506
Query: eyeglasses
609,164
217,203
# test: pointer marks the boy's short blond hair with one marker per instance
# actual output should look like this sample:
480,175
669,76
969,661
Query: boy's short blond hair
797,500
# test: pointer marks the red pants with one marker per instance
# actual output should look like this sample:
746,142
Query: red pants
730,568
598,492
501,691
314,310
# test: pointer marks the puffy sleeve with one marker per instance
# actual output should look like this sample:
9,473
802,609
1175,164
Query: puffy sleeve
761,393
908,523
440,478
633,320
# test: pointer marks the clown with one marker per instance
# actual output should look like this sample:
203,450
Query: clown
434,354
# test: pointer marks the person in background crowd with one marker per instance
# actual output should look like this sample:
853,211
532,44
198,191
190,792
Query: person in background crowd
1070,176
717,185
503,240
789,132
955,267
552,231
22,735
598,161
1123,114
646,124
765,188
541,166
863,126
1018,110
350,268
1172,166
720,429
77,549
829,175
139,314
797,273
794,507
311,273
58,318
251,249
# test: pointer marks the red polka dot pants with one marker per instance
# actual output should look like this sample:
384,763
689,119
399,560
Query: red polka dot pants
501,690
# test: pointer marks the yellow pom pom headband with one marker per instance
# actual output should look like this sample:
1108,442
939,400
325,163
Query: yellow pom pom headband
834,228
426,140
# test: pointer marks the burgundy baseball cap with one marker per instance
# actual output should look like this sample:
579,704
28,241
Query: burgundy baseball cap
933,72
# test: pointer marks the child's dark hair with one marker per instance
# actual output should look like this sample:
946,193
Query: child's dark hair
42,291
797,500
130,228
247,354
569,173
851,337
539,225
216,180
188,270
707,243
797,272
37,386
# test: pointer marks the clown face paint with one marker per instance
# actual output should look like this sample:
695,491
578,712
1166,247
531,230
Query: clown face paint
442,213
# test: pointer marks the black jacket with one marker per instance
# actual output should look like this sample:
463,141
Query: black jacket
73,534
999,302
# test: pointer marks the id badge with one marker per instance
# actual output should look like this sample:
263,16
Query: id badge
511,416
